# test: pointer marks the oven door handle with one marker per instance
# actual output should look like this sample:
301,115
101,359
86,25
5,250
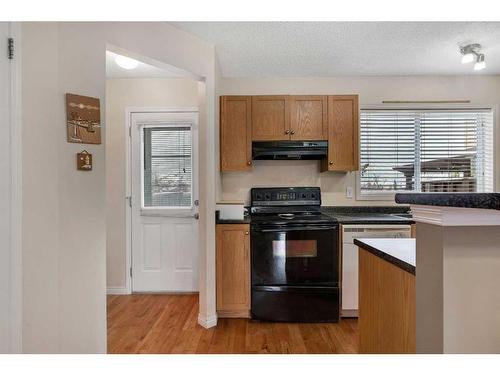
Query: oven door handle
294,229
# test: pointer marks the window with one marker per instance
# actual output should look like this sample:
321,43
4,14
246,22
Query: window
425,151
167,177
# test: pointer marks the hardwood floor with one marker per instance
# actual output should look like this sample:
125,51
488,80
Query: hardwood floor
156,323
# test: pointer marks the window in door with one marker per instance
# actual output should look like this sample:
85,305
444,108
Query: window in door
167,167
425,151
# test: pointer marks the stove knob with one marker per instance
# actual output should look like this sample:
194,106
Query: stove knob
259,197
268,197
303,195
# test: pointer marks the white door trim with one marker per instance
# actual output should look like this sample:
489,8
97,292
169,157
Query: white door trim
129,111
15,307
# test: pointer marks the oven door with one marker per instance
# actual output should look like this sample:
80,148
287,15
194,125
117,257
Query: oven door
295,255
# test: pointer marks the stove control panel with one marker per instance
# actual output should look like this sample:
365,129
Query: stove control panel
293,196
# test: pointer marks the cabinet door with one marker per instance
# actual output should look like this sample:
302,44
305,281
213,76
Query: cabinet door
343,133
270,118
235,133
233,270
309,121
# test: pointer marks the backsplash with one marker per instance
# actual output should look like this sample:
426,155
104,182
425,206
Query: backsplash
269,173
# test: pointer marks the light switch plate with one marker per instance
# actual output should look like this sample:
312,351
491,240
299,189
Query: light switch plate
348,192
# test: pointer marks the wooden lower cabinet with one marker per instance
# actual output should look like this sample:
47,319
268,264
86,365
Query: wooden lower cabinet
414,231
233,270
386,321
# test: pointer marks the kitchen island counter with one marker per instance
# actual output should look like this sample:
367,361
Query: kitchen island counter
465,200
387,298
398,251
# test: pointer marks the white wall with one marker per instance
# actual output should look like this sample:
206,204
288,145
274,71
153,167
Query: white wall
42,134
64,223
483,90
121,94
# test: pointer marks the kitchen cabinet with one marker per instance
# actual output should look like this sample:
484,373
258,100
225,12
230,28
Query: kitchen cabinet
270,118
309,117
343,134
235,133
387,301
233,270
334,118
350,261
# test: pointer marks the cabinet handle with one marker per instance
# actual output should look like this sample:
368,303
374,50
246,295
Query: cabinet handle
249,162
287,131
246,233
331,162
293,132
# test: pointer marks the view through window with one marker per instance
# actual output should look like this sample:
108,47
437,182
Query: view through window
426,151
167,178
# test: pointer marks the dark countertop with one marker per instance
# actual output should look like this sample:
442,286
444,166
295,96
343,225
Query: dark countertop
368,214
354,215
464,200
246,220
398,251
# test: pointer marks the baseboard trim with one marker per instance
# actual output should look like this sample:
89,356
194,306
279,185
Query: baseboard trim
116,290
207,321
349,313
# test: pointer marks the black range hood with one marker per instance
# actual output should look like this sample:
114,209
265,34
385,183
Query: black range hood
289,150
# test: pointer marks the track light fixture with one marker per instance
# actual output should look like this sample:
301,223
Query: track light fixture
480,64
471,52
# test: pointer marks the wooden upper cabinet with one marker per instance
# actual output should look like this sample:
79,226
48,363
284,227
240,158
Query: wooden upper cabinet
233,270
343,134
270,118
235,133
309,118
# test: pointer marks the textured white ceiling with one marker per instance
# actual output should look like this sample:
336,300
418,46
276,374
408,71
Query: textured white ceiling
143,70
305,49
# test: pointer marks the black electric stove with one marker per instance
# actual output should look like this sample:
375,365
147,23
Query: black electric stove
295,256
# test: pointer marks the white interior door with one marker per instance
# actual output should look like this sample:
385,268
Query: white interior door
164,202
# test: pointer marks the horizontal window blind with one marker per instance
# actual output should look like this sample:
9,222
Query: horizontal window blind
426,151
167,167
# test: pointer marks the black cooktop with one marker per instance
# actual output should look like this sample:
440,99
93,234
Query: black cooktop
292,219
287,206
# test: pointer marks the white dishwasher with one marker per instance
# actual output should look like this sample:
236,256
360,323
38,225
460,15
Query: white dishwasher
350,258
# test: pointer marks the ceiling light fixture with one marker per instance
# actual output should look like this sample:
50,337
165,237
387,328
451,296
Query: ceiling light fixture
471,51
480,64
126,62
467,58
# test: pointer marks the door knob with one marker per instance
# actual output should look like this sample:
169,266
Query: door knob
331,162
293,132
287,131
246,233
249,162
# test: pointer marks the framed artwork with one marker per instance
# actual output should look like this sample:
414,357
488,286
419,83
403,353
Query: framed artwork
83,119
84,161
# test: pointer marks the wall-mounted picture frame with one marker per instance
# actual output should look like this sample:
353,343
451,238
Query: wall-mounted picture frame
83,119
84,161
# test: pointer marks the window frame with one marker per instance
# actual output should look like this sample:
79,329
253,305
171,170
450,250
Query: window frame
159,210
389,196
